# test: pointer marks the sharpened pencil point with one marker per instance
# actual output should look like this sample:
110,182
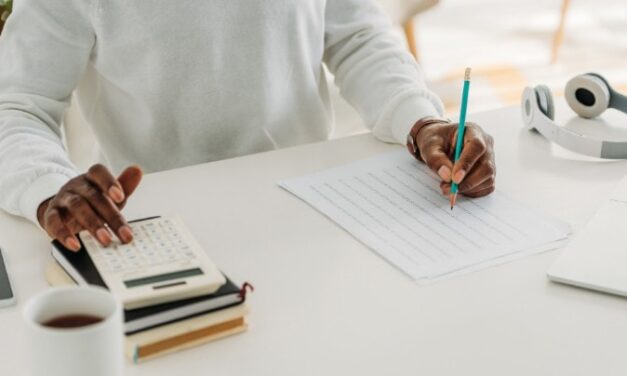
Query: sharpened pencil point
453,198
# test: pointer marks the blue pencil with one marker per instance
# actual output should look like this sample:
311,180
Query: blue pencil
460,131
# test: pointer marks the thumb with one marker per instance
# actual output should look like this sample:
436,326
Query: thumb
438,161
129,179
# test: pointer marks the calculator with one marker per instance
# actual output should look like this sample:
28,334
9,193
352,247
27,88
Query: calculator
163,263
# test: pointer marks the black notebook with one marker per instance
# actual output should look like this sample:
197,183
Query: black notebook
79,266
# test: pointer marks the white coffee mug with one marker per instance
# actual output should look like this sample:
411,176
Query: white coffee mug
93,350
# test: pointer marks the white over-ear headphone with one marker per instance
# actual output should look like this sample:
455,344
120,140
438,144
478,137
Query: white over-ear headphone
588,95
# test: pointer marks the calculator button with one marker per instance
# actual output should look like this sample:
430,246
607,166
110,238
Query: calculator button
157,245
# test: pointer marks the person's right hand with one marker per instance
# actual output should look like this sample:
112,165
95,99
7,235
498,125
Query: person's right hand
91,202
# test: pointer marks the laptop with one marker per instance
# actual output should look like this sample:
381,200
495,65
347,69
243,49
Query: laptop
596,258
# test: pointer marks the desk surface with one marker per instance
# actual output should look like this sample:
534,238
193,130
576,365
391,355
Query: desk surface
326,305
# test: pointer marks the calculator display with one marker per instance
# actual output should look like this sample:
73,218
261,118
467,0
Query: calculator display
163,277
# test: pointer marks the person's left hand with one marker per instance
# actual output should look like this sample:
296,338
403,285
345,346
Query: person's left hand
475,171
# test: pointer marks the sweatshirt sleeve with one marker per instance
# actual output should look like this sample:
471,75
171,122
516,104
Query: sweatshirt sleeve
373,70
44,50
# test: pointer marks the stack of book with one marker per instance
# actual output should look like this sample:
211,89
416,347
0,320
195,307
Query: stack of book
169,327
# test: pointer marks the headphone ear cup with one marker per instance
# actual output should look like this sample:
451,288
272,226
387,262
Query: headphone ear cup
588,95
545,101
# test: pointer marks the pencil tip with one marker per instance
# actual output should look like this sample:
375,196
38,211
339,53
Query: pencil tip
452,200
467,74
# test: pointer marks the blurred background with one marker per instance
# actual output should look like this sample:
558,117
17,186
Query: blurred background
509,44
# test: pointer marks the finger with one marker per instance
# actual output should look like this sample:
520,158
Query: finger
435,155
80,209
485,184
99,176
129,179
480,188
71,223
445,187
56,228
481,193
483,171
106,210
474,148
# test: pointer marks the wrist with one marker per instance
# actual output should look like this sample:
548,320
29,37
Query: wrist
412,137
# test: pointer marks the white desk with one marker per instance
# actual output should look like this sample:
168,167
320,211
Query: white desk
326,305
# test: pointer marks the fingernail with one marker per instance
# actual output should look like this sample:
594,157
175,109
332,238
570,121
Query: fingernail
445,173
72,244
126,234
459,176
116,194
103,236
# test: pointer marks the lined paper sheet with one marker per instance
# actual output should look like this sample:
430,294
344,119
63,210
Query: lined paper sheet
393,205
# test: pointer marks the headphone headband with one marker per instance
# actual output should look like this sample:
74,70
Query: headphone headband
617,100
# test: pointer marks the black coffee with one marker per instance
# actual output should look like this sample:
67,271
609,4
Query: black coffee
72,321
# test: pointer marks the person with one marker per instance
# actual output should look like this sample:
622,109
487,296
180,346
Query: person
168,84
